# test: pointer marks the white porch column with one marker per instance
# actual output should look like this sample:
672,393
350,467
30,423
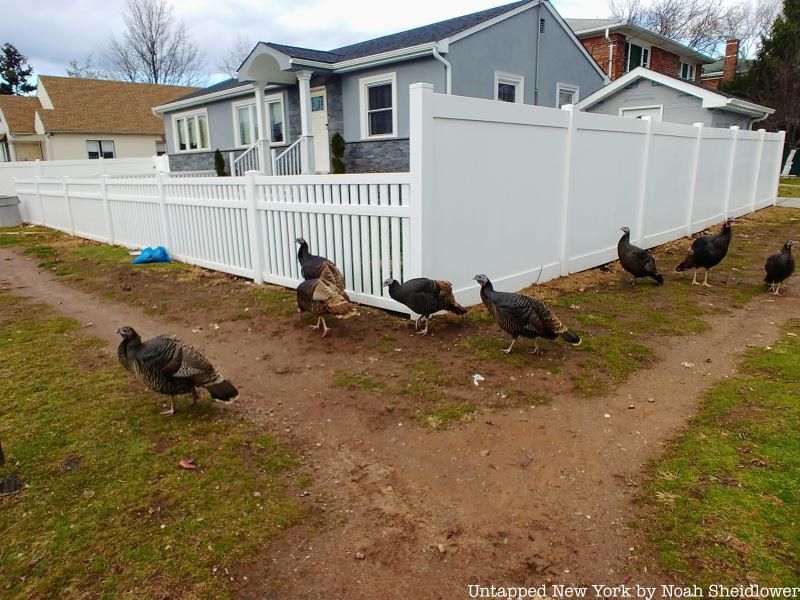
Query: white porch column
264,161
12,152
307,146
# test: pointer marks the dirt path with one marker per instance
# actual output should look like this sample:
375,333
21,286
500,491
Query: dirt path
517,496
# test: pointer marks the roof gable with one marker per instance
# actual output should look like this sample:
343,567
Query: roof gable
103,106
19,113
710,98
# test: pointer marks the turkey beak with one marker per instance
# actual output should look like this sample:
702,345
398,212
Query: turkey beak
118,332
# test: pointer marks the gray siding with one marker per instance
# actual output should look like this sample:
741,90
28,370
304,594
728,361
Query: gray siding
428,70
679,107
476,58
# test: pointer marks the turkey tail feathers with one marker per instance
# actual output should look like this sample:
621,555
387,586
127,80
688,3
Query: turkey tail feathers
222,390
570,337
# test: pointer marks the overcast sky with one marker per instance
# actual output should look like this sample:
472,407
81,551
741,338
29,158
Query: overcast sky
51,33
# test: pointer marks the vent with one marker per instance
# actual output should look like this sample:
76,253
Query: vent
541,25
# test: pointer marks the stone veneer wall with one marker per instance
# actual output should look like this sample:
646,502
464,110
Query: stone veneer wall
199,161
377,156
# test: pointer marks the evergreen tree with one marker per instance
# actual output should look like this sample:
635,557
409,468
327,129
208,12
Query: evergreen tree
14,72
774,77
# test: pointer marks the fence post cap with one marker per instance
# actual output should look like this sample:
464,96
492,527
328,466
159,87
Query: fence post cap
735,127
568,107
698,124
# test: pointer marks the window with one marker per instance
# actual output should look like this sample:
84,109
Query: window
637,56
508,87
378,102
276,119
4,154
100,148
244,120
161,147
686,71
191,131
567,94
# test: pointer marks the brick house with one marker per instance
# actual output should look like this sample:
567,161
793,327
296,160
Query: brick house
619,46
726,67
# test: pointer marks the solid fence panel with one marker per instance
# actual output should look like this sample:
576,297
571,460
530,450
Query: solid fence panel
711,183
742,178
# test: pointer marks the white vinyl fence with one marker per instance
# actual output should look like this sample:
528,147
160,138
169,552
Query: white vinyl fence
517,192
119,167
247,225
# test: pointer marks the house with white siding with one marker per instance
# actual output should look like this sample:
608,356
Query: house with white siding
286,103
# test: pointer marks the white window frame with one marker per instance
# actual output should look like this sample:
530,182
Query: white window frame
364,83
518,81
279,97
187,115
235,106
100,148
568,87
691,69
645,64
660,108
5,154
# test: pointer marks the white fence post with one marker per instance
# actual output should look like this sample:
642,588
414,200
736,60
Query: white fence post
694,175
41,202
762,133
254,227
107,207
648,140
39,168
777,178
566,176
166,229
420,163
67,201
729,187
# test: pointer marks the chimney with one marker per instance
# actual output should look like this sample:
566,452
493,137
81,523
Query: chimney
731,59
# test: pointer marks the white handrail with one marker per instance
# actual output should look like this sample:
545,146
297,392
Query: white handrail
247,160
289,161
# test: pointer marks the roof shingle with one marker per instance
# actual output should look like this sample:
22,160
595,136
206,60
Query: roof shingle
19,113
102,106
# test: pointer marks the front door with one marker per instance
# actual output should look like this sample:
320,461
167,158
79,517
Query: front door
319,129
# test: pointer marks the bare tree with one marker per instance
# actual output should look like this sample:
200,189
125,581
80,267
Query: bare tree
237,51
703,25
85,70
155,48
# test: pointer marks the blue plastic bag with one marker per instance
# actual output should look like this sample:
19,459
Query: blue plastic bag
150,255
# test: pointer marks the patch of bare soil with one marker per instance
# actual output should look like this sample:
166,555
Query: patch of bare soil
530,493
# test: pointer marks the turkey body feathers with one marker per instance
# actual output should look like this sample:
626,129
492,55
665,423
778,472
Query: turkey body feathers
169,366
323,297
520,315
780,265
636,261
707,251
426,296
318,267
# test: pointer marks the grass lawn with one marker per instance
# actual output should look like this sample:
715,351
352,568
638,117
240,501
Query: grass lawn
106,512
723,504
789,187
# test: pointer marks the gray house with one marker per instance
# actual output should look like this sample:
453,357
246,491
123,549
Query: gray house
643,92
279,113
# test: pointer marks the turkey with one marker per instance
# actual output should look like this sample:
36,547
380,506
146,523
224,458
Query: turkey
637,262
169,366
317,267
425,296
707,252
520,315
323,297
778,267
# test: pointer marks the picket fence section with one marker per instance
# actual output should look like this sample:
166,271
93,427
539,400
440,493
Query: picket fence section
245,226
517,192
522,193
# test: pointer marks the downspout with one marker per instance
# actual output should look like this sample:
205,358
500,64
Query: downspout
610,55
538,53
447,70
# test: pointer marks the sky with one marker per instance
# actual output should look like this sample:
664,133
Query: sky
51,33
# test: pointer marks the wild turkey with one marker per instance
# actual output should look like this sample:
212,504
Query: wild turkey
323,297
707,252
425,296
637,262
520,315
319,267
168,366
779,267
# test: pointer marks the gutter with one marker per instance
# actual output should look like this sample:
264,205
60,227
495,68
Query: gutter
610,55
205,98
447,70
